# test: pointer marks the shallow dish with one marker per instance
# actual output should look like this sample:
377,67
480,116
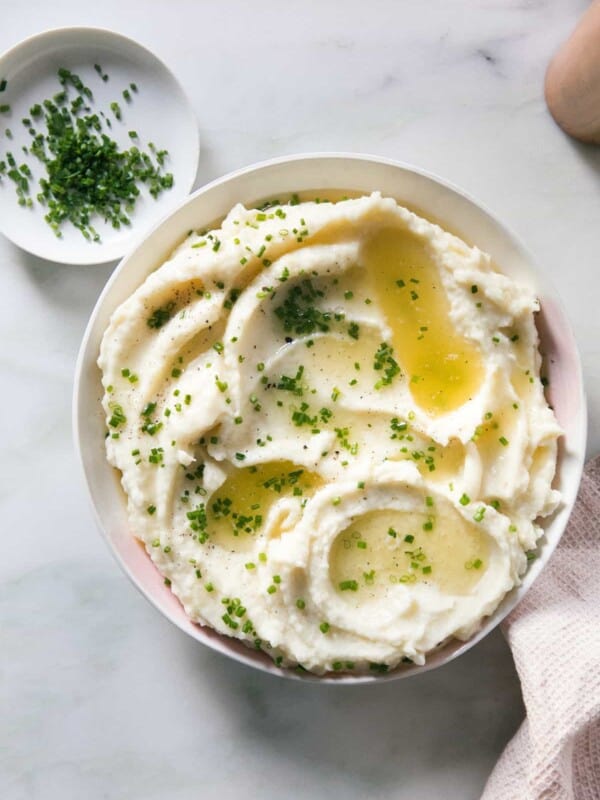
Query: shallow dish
159,111
280,177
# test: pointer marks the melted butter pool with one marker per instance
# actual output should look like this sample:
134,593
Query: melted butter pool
444,369
382,548
237,511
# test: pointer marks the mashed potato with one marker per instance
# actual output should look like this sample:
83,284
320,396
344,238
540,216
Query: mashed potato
331,430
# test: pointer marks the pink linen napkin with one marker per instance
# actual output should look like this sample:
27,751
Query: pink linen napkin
554,634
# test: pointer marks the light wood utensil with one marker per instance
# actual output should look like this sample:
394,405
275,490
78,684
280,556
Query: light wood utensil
573,80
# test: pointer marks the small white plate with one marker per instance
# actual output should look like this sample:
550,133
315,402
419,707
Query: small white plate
159,112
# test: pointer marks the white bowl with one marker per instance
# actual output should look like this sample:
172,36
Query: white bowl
30,69
282,176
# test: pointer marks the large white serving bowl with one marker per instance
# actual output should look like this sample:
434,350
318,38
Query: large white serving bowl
280,177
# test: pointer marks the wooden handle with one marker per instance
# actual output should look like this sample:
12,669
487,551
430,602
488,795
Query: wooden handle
573,80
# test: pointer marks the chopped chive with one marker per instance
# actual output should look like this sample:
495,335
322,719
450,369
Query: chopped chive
479,514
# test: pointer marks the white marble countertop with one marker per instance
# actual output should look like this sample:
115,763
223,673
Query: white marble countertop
100,696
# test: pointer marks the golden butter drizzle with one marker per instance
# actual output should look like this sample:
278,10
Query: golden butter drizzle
386,547
444,369
237,511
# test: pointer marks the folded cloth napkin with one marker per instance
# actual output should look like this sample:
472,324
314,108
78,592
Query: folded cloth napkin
554,634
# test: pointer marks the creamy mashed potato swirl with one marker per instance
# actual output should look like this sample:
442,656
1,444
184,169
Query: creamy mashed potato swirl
331,431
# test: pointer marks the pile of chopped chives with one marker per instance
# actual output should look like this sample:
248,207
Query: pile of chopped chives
87,175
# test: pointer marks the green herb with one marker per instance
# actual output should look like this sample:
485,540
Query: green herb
148,409
301,417
324,627
300,604
354,330
351,586
292,384
156,455
118,417
87,175
382,668
399,427
479,514
160,316
299,314
384,361
198,522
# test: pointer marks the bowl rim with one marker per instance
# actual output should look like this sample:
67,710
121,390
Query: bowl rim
576,451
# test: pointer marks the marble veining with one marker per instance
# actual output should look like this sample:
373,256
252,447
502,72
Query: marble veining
101,697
